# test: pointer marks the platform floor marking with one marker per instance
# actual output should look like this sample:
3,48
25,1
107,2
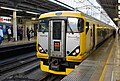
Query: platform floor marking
106,65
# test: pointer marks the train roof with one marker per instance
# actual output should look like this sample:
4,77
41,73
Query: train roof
72,14
90,18
61,13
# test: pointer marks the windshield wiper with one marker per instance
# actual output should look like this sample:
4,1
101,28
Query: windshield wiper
70,28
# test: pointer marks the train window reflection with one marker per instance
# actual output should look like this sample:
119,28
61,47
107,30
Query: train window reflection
44,25
72,25
57,30
81,25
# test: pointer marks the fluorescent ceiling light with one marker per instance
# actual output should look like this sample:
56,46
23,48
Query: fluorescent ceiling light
33,18
119,16
10,9
7,8
119,12
116,19
118,1
118,7
16,16
32,12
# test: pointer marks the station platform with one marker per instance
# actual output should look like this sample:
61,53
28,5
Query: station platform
102,65
5,43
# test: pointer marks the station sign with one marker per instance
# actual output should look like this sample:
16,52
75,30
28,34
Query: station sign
5,19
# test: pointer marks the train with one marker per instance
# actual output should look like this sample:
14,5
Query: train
66,38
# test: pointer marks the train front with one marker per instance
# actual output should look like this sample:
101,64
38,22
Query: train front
58,41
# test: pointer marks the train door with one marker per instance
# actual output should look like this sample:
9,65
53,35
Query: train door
56,38
93,36
88,37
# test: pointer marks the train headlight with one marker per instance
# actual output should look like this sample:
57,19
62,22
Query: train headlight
77,50
74,53
40,49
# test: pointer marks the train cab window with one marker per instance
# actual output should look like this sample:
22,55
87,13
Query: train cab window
57,30
80,25
75,25
72,25
44,25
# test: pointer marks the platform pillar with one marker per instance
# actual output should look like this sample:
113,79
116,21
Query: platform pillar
14,26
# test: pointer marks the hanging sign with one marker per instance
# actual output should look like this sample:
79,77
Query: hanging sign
5,19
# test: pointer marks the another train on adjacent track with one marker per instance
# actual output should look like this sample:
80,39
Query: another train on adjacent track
66,38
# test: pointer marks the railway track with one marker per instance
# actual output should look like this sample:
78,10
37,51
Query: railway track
16,63
51,77
20,68
13,67
15,50
18,77
22,75
15,59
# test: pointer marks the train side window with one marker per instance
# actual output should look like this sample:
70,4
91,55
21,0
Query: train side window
87,27
91,32
81,25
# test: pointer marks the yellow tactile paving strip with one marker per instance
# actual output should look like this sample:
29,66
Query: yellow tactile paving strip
106,65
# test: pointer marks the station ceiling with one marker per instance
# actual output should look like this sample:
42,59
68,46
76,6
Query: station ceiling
38,6
110,6
42,6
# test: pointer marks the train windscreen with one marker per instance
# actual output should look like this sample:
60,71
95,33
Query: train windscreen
57,30
44,25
